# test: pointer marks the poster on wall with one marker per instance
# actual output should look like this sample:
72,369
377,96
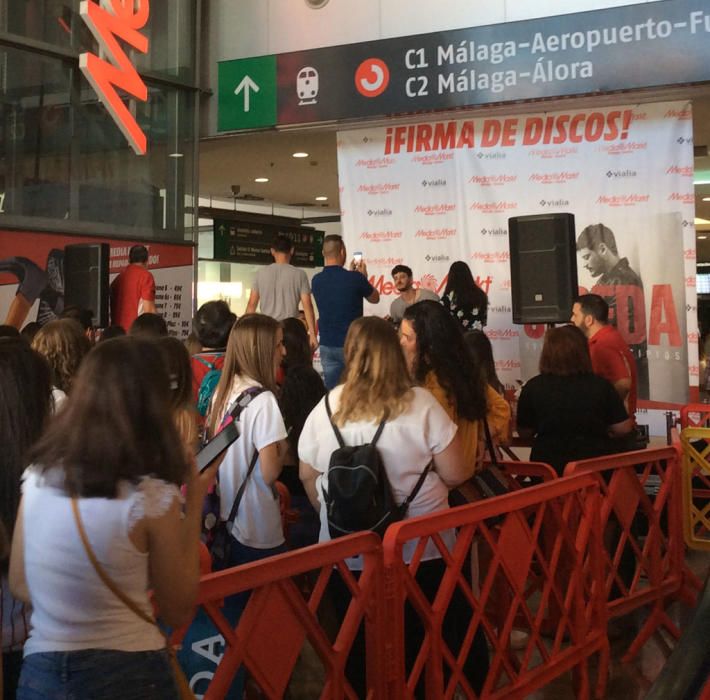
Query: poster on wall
431,193
31,266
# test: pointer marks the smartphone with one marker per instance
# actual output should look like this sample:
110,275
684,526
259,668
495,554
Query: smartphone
357,256
216,446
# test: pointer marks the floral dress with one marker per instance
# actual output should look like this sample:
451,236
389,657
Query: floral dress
469,319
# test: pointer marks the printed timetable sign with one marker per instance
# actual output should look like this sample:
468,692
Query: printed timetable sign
639,46
248,242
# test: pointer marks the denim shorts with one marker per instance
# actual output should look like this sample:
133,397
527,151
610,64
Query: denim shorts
97,674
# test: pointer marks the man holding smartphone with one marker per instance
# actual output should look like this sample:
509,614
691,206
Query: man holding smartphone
338,293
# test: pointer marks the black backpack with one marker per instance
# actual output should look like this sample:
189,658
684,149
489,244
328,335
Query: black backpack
359,495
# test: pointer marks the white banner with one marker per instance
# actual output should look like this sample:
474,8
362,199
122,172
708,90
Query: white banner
431,193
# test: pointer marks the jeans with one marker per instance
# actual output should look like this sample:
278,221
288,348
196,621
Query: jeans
333,362
91,674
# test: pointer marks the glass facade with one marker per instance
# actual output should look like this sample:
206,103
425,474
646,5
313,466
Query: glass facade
64,164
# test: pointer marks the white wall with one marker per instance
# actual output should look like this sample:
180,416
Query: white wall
260,27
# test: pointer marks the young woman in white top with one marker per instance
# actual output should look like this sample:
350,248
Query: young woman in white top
115,449
254,353
417,431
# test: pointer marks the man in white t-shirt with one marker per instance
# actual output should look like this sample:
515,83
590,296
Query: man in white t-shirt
280,287
408,295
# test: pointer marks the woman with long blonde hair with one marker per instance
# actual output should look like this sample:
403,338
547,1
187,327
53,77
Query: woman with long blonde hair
246,394
417,436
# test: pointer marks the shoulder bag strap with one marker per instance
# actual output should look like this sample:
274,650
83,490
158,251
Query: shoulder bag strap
101,572
183,687
489,443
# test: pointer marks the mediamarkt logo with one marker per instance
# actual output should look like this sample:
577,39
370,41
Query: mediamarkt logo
625,147
374,163
434,209
499,256
492,180
684,197
432,158
435,234
117,19
554,178
380,188
678,114
685,171
493,207
623,200
427,281
379,236
505,334
561,152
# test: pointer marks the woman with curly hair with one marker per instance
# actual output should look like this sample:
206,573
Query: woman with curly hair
464,299
63,344
439,360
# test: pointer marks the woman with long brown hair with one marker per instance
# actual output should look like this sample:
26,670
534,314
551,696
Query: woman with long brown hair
417,438
570,412
104,481
254,461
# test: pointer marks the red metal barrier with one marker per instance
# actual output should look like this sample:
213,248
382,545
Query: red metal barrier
643,557
542,556
279,617
695,415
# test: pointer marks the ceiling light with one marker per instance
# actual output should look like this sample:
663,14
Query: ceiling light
175,155
261,179
321,198
706,199
699,222
300,154
702,238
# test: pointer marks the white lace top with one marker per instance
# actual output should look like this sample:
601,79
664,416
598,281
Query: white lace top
72,608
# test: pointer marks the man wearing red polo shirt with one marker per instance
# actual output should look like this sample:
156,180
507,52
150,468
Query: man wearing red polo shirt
133,291
611,356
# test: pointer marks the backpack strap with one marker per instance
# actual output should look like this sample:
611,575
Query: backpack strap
417,487
240,403
339,437
210,366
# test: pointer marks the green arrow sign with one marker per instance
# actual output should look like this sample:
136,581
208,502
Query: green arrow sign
247,93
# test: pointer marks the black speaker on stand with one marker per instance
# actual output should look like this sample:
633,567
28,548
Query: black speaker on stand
86,267
543,267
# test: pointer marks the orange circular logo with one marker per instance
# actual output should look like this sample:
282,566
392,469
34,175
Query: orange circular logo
372,77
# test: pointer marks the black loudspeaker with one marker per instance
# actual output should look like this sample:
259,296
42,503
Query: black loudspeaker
543,267
86,268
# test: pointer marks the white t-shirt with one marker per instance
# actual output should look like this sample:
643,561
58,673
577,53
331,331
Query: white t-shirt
406,446
258,521
72,608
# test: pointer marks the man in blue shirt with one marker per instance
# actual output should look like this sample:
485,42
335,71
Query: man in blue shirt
338,293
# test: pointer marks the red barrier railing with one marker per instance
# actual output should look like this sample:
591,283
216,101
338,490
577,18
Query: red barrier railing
541,557
643,556
695,415
280,617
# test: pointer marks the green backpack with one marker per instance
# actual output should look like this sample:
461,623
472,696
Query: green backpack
207,385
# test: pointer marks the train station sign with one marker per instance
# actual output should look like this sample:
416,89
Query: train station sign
645,45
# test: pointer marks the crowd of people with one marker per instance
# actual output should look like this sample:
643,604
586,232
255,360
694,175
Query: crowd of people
100,489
